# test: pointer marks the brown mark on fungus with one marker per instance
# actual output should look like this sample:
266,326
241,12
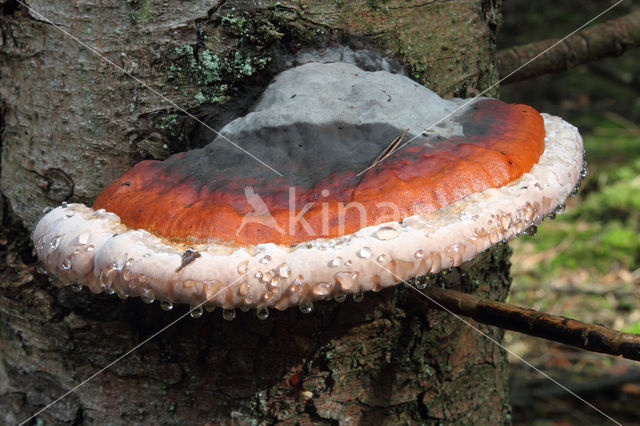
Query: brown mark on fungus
188,256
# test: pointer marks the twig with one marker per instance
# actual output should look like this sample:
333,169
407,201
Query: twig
390,148
611,38
590,337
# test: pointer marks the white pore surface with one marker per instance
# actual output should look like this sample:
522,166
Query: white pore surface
80,245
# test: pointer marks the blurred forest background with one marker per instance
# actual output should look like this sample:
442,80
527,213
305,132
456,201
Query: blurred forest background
586,263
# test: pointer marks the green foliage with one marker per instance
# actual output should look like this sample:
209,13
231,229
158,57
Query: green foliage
601,231
633,328
585,245
612,192
620,200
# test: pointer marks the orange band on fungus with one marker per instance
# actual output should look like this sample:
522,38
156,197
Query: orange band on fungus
501,143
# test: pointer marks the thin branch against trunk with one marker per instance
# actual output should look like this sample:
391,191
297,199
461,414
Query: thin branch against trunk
611,38
590,337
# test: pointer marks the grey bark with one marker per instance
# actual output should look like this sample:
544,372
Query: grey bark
71,124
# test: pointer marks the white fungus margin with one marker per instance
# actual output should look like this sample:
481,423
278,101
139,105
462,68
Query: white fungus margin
80,245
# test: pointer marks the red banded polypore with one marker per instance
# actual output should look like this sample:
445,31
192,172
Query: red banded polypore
213,226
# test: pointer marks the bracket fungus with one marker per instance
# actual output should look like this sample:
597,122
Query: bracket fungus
212,225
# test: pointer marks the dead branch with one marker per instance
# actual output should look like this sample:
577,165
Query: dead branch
611,38
590,337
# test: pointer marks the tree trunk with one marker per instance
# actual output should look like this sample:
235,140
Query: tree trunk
71,123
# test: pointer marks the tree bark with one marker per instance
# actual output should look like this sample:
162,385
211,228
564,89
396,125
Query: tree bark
71,124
